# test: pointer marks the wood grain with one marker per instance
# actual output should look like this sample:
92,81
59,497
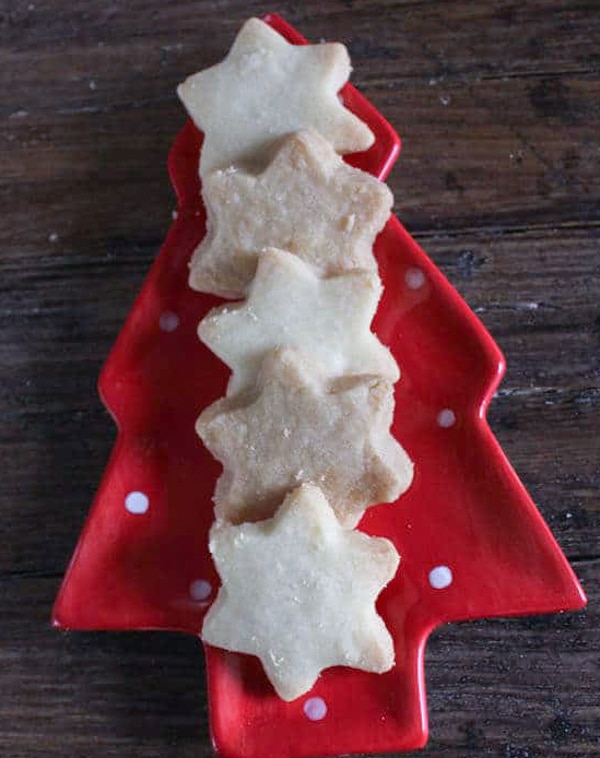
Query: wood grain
499,180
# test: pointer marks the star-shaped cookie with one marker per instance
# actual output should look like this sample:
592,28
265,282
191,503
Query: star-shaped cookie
289,305
307,201
299,429
266,88
299,592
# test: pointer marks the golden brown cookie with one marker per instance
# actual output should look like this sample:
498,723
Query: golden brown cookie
307,201
299,428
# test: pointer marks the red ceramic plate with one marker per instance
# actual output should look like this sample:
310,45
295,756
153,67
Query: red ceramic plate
472,542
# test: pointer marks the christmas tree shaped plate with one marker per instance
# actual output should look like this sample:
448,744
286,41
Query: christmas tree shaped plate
472,542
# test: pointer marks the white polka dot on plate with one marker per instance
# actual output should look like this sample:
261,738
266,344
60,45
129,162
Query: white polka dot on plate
315,709
200,590
446,418
168,321
440,577
414,278
137,502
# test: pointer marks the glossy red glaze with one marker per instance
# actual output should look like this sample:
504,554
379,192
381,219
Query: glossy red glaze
466,509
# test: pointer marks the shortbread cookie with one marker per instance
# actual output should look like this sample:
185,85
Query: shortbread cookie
299,429
307,201
299,592
289,305
266,88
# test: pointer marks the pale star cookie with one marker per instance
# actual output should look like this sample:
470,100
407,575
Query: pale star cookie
299,592
299,429
289,305
307,201
266,88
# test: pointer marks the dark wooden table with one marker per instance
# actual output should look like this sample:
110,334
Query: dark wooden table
498,104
